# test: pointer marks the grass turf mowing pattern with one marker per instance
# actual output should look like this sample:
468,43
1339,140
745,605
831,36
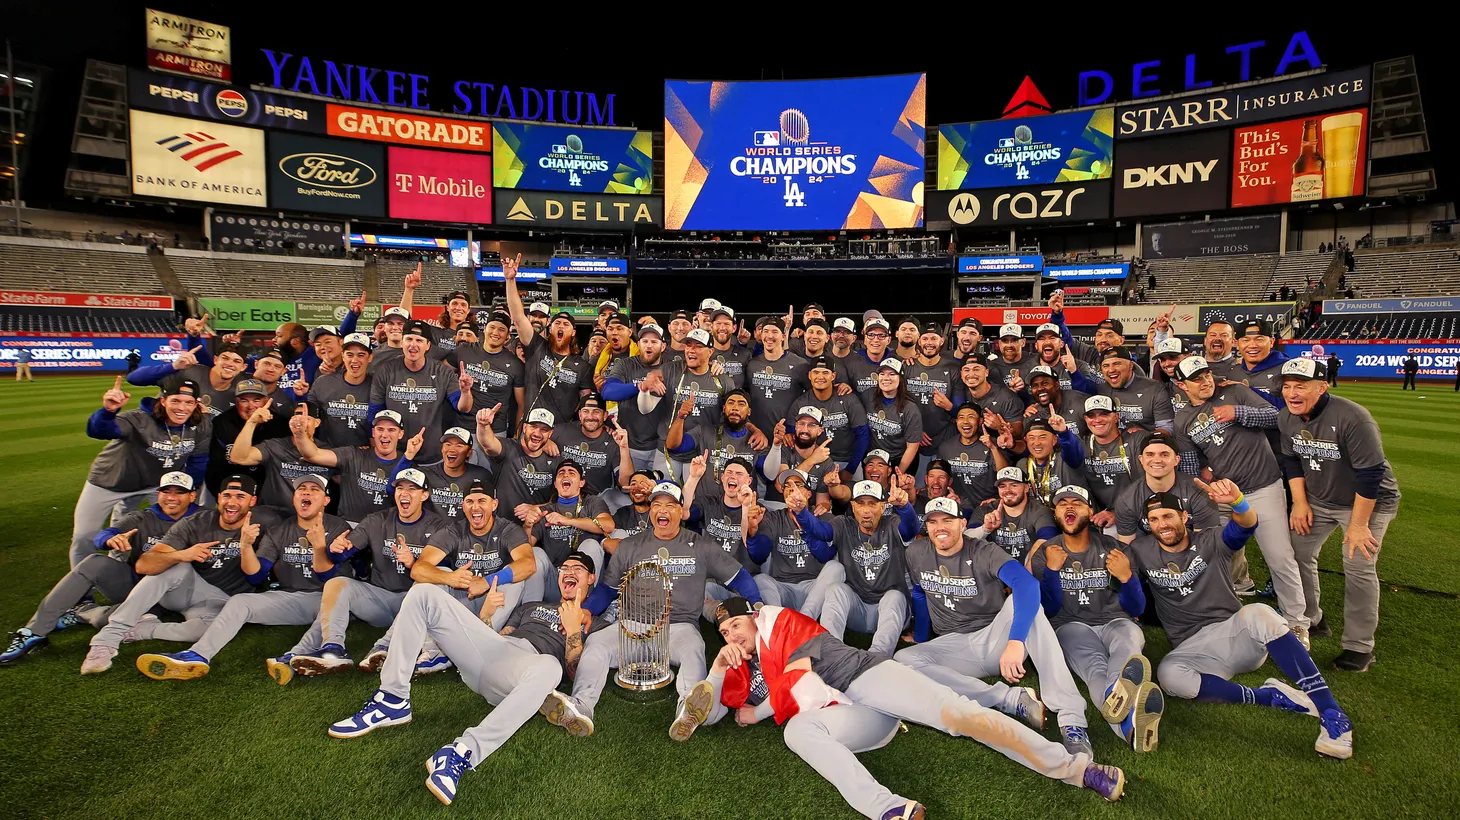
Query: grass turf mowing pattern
236,744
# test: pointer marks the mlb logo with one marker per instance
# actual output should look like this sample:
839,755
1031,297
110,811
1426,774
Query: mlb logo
1006,142
559,149
768,138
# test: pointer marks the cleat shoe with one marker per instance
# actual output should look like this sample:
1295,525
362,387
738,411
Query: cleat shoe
1077,741
330,660
98,660
68,619
432,662
1289,698
374,659
1301,633
142,629
561,710
692,712
446,767
1118,702
381,710
1351,661
1321,629
1106,781
913,810
184,665
1247,590
1150,704
1336,738
1029,709
1267,591
280,670
22,643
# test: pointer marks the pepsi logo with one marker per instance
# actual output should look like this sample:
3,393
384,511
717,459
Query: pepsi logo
232,103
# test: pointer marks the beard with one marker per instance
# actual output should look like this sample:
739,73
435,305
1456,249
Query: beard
1080,526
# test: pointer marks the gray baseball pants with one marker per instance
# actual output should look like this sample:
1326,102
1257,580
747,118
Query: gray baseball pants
885,619
342,598
178,588
807,597
94,507
114,578
273,608
1098,653
1225,649
600,654
1360,574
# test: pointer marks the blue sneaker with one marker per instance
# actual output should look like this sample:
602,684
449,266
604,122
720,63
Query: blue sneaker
279,669
68,619
381,710
1267,592
184,665
330,660
911,810
1289,698
430,663
22,643
446,768
1336,738
1029,709
1077,741
1106,781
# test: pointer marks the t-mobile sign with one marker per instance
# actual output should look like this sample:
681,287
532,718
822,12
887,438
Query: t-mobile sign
440,186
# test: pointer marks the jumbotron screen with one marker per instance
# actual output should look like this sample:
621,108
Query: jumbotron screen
794,155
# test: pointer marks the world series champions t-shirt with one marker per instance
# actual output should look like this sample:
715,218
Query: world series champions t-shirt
733,361
964,590
973,470
485,552
1110,468
772,386
421,398
874,563
720,523
364,481
540,625
1191,588
344,410
448,491
523,478
690,560
215,402
723,445
1016,534
496,376
1141,403
891,428
840,415
146,449
599,456
282,464
557,540
1331,446
554,380
222,569
1130,513
643,428
1231,450
1091,594
627,520
150,528
287,547
923,381
379,533
680,384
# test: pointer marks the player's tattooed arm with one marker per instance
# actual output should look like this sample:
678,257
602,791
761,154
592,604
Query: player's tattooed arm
574,653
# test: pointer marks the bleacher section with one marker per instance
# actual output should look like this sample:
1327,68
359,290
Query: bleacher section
1216,279
1433,326
15,319
246,276
1296,270
437,280
80,267
1386,274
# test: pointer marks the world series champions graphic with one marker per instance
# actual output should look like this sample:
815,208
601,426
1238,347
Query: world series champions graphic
794,155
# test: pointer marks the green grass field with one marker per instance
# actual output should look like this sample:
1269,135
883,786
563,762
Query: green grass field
235,744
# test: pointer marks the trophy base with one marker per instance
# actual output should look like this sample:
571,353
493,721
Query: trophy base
643,685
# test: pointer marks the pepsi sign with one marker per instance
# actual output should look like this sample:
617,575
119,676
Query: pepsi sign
190,97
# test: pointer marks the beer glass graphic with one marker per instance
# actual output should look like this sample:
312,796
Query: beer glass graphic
1342,136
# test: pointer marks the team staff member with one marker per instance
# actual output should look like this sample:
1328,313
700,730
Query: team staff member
449,479
215,383
1217,348
1262,363
554,373
843,418
421,390
973,457
601,453
343,397
575,521
1111,463
164,434
843,340
498,375
1333,459
290,550
933,381
893,418
129,538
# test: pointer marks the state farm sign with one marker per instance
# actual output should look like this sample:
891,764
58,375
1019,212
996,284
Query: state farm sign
440,186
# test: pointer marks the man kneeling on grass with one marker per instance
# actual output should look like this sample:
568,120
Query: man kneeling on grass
516,670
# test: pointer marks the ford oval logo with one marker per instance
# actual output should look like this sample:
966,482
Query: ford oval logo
327,170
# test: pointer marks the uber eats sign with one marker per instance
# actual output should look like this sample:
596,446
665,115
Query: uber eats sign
242,314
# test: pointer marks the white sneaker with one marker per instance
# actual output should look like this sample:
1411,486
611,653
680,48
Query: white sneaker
1299,700
561,710
98,660
1336,738
374,660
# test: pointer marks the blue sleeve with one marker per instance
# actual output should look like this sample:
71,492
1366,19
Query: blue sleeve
745,587
197,467
861,437
922,628
150,375
400,465
1132,597
503,577
1058,318
618,390
686,444
1026,598
601,596
374,408
348,325
815,527
309,362
105,536
1274,400
1051,594
1070,449
1235,535
327,574
695,513
759,547
103,425
263,574
907,521
248,364
454,397
204,356
1046,533
1083,383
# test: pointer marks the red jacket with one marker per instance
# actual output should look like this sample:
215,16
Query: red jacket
781,632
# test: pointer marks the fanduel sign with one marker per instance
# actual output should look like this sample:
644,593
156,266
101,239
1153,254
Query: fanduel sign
1147,78
359,83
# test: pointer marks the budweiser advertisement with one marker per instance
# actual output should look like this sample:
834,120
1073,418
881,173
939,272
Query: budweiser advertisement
182,45
1030,317
33,298
1300,160
440,186
409,129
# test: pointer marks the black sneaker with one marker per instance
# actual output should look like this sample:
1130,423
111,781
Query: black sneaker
1321,629
1351,661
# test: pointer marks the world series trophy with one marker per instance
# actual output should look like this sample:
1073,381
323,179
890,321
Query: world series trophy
643,622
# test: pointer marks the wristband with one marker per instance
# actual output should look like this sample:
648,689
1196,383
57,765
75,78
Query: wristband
1241,505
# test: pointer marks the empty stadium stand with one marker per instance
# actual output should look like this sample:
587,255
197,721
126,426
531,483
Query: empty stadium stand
1432,326
1381,274
29,319
1296,270
1215,279
437,280
247,276
80,267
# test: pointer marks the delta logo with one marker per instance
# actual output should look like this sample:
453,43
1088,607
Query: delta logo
200,149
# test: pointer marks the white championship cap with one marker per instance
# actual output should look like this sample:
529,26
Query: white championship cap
1011,330
540,415
945,506
864,489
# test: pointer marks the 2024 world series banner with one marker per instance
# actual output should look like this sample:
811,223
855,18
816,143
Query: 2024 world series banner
1071,147
565,158
794,155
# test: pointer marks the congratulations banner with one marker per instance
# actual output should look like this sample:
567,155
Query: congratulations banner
564,158
1369,360
1073,147
794,155
579,267
75,354
1000,264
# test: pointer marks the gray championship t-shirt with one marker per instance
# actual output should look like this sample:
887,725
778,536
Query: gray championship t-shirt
773,386
598,456
146,450
679,385
1231,450
999,399
1002,372
344,410
538,624
1141,403
723,446
734,361
1191,588
447,491
485,553
523,479
1130,510
922,381
643,429
1341,439
1017,533
973,470
690,559
379,533
1110,468
964,590
629,521
892,429
833,661
282,464
840,415
421,398
554,381
287,547
496,376
150,527
720,523
558,541
791,561
364,481
1071,406
1091,594
222,570
874,563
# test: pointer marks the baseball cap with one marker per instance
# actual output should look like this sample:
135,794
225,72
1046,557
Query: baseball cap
876,321
732,608
942,506
1167,347
242,483
1256,327
249,387
592,399
817,321
324,330
569,463
767,320
540,415
787,475
608,303
176,478
562,314
871,314
940,464
844,324
709,304
680,314
310,478
1039,425
821,363
1071,491
969,321
1158,437
1010,474
1095,403
418,328
933,327
620,319
1047,327
1117,352
1305,369
653,475
396,313
185,387
583,558
1112,324
699,336
651,328
1191,367
273,353
743,461
1042,370
1164,501
810,412
813,306
539,308
1011,331
735,391
357,339
498,316
667,488
415,477
466,325
597,331
882,454
477,486
458,433
891,363
721,310
388,415
865,489
455,294
974,359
